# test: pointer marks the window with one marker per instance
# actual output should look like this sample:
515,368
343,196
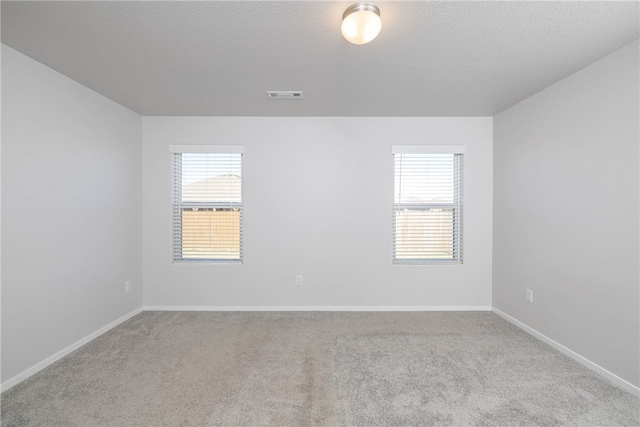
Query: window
427,207
207,203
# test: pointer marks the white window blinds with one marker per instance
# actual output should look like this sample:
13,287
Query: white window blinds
427,208
207,203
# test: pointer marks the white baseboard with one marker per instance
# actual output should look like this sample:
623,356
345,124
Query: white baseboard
318,308
623,384
59,355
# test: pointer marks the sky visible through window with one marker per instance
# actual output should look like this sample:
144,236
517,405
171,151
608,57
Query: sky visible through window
201,166
424,178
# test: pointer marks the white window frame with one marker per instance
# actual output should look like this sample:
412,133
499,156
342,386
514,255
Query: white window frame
456,205
178,204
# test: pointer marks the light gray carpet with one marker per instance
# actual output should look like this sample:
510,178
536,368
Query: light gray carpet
320,369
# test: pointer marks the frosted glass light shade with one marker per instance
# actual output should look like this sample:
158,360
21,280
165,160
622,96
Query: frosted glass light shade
361,23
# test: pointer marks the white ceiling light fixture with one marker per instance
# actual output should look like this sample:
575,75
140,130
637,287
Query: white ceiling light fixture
361,23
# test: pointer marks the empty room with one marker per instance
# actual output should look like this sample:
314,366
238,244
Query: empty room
320,213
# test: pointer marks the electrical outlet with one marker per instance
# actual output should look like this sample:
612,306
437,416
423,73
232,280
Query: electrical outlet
127,286
298,280
529,295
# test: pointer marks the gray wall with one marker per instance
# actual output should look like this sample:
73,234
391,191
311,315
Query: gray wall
318,203
71,231
566,212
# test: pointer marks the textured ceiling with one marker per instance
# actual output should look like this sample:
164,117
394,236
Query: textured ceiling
218,58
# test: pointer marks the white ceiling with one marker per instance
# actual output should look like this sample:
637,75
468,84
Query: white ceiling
218,58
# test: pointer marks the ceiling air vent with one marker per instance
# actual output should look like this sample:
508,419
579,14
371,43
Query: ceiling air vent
285,94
